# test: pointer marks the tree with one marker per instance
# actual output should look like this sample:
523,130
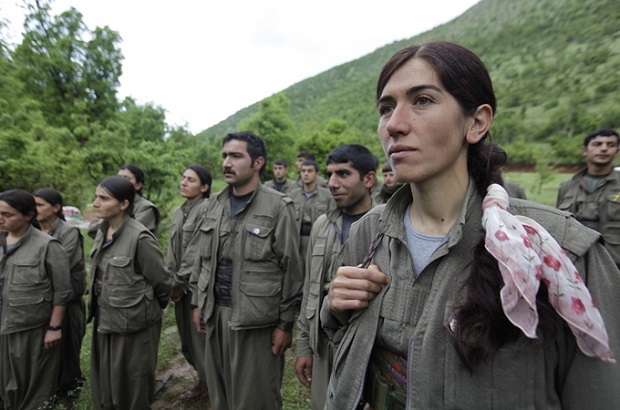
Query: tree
274,125
74,79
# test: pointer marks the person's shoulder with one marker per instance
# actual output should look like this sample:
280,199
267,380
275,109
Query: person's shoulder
324,191
295,191
273,195
143,203
562,225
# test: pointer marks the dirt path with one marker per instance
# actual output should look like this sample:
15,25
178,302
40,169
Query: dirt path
174,381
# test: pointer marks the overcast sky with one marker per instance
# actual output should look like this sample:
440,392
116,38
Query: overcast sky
204,60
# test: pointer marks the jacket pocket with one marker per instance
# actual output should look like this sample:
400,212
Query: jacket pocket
207,231
120,270
128,310
26,271
203,294
257,243
259,299
28,308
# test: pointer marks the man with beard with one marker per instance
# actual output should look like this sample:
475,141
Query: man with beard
351,173
246,282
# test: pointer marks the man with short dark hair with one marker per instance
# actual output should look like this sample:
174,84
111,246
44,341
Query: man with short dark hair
351,171
593,194
280,181
305,156
311,201
246,283
389,183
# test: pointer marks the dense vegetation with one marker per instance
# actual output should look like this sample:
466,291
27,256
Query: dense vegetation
554,64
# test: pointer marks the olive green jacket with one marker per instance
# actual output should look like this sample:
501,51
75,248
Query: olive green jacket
321,202
414,317
146,213
267,272
135,282
323,251
180,236
287,188
602,206
72,240
36,278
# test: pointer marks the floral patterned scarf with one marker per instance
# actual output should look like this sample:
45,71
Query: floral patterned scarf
528,255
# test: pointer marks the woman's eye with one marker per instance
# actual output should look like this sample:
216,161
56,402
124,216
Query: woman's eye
423,101
385,109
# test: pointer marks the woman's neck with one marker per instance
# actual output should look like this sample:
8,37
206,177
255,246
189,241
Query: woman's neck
114,224
46,225
434,211
16,236
193,200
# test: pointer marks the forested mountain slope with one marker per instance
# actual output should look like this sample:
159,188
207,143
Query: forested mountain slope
554,64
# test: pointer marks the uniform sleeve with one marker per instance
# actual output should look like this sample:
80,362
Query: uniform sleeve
303,327
73,242
190,265
590,382
149,217
151,263
561,193
286,248
57,266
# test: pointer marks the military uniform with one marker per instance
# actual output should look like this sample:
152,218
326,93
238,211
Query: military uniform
184,222
321,262
307,210
74,322
129,287
246,281
146,213
413,318
288,186
35,278
598,210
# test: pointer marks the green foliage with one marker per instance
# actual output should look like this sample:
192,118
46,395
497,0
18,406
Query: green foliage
274,125
553,64
74,79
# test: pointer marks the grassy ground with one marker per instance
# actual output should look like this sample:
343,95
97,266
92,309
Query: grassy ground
545,193
178,376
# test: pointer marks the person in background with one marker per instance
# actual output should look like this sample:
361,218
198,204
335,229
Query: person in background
351,173
449,296
280,181
34,290
145,211
49,214
311,201
514,190
246,282
196,189
593,194
389,183
377,188
303,156
129,288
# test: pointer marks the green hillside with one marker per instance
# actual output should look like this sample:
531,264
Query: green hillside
554,64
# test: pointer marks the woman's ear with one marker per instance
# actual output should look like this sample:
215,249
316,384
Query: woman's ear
124,205
480,124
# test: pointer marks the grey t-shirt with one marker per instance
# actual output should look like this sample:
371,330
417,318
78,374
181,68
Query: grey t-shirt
421,246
